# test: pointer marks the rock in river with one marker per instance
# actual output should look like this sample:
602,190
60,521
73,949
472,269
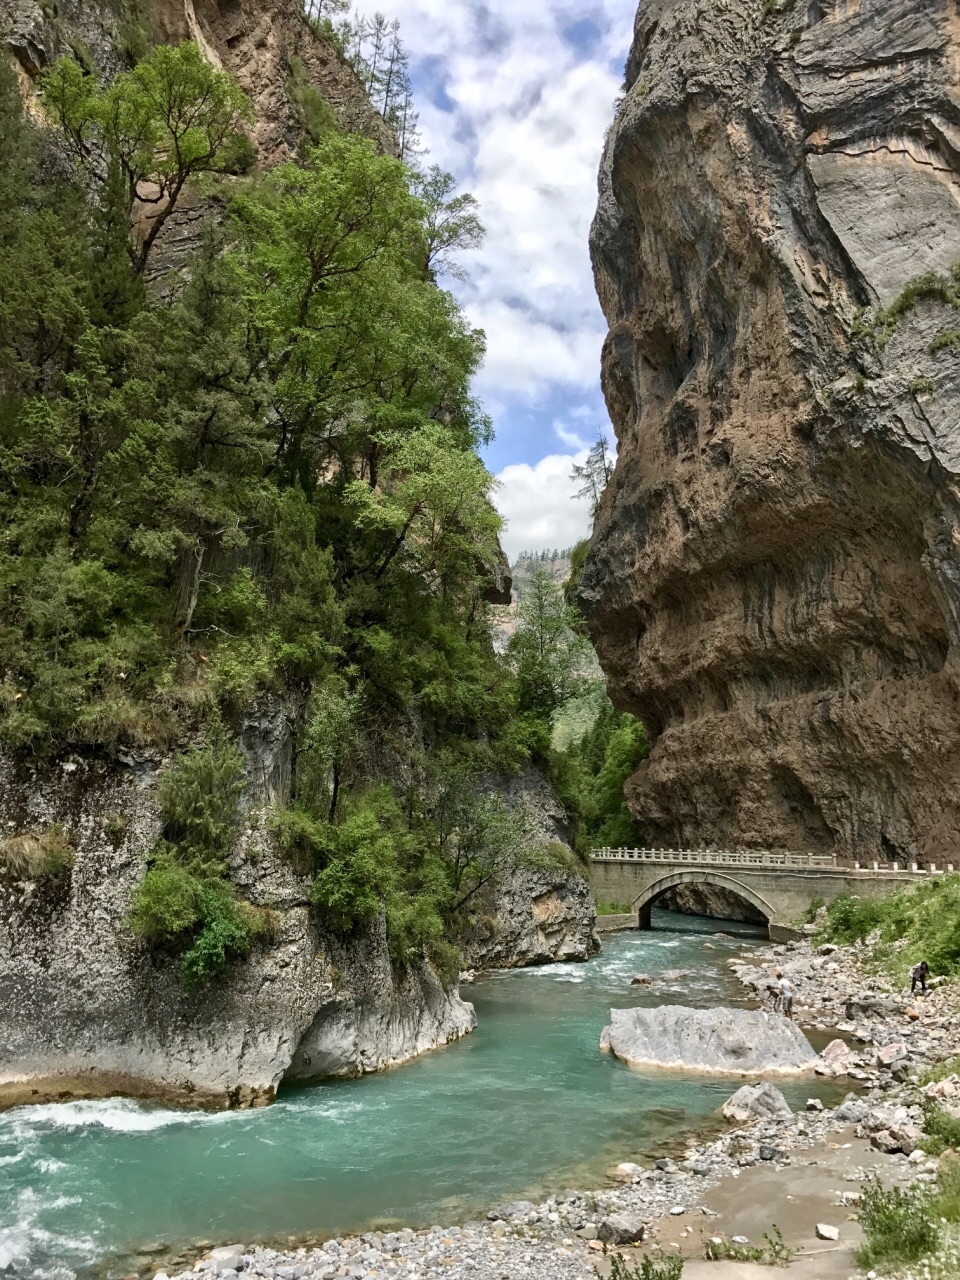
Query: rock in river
740,1041
757,1102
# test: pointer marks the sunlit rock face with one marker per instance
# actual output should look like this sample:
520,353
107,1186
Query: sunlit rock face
774,579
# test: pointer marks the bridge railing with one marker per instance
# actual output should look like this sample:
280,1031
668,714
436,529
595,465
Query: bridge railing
764,858
717,857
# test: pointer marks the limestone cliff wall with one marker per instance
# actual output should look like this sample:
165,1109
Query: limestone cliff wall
540,913
256,42
774,579
86,1009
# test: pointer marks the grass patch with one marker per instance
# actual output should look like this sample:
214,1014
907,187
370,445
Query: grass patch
44,855
898,1223
614,909
949,338
942,1132
774,1252
923,386
940,1071
646,1269
929,287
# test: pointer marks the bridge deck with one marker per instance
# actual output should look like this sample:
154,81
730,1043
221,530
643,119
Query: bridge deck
762,858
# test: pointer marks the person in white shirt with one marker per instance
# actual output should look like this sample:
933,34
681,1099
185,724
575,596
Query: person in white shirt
785,992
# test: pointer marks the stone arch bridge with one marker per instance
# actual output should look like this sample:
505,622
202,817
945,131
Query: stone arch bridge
781,886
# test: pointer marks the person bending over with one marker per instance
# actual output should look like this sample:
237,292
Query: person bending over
918,974
786,991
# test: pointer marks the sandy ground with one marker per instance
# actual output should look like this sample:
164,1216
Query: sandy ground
795,1197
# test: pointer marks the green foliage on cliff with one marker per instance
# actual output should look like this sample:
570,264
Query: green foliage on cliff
590,775
260,481
265,479
184,904
151,130
913,924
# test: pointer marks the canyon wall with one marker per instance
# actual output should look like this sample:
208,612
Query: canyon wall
257,43
86,1007
773,584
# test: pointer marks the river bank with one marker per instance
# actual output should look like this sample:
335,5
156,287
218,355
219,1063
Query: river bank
801,1173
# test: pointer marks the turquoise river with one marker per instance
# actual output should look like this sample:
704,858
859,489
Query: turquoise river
526,1105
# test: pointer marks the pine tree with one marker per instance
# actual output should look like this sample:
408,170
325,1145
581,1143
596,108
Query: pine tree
595,473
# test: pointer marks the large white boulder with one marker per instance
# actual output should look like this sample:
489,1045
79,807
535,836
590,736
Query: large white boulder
721,1041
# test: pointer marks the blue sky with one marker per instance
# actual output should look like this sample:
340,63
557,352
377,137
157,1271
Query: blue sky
514,99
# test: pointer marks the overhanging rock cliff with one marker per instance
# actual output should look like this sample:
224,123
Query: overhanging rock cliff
774,579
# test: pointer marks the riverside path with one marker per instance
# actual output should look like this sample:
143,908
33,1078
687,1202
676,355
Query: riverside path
781,886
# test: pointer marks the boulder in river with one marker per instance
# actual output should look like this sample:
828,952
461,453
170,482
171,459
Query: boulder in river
757,1102
737,1041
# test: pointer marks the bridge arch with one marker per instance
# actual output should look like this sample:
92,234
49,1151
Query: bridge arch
643,903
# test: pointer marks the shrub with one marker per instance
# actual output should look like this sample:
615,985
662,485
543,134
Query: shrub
225,935
199,795
303,838
347,890
852,919
555,854
38,856
183,904
942,1130
166,903
648,1269
203,919
447,960
898,1225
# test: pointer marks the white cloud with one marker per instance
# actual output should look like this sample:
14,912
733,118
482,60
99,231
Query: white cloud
570,438
540,505
517,111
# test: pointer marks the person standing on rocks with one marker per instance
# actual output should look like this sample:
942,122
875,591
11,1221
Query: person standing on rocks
919,974
785,992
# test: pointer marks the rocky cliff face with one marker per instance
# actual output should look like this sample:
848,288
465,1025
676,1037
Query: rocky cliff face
255,42
774,580
85,1009
539,913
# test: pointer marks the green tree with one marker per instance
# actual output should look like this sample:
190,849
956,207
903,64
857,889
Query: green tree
452,222
547,650
595,473
169,120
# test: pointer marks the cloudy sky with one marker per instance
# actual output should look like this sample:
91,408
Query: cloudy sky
514,98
